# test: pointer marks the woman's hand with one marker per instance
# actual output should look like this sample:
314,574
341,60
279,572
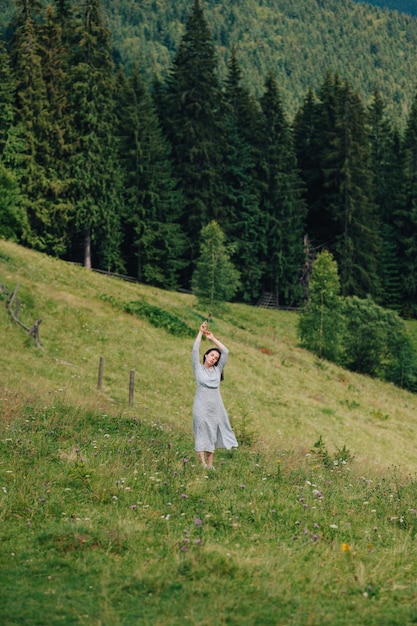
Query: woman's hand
209,335
203,327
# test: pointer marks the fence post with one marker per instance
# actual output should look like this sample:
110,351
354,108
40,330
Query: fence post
100,373
131,387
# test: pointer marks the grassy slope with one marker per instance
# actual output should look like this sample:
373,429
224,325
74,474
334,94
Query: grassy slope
104,521
285,397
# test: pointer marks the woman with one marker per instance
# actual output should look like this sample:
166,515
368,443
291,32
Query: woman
210,420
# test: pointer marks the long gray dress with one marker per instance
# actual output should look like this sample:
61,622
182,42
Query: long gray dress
210,420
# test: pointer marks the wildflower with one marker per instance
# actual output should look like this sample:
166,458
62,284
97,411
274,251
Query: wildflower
185,460
198,521
184,495
278,461
198,542
243,486
334,526
315,525
133,506
315,537
345,547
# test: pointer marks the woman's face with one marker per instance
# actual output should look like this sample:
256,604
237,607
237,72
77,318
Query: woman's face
211,358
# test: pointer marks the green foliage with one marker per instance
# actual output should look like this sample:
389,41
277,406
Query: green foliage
369,46
321,322
215,279
159,318
339,459
375,342
356,333
12,217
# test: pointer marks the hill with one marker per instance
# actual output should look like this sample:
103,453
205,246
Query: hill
371,47
107,520
272,387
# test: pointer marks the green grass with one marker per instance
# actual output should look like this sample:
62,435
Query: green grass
106,519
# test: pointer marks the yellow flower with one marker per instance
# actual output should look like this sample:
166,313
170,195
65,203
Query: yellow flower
345,547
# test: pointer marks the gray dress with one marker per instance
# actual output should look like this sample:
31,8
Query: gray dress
210,420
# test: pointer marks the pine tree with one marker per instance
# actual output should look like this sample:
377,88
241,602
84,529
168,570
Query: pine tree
283,208
242,222
321,324
306,128
192,113
54,55
406,219
95,190
387,166
345,218
12,216
32,122
154,243
215,279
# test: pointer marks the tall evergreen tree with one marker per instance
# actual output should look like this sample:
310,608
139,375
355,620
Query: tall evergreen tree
406,219
32,121
387,166
306,128
12,216
348,188
242,220
54,54
153,241
192,113
283,208
95,188
344,215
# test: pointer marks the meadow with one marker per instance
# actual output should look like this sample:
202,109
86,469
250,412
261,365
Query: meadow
107,520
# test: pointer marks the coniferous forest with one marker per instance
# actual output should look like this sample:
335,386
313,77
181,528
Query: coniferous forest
97,166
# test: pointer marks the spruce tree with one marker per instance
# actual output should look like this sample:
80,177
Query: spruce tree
282,205
345,218
306,129
406,219
192,112
215,279
32,122
387,166
242,221
153,241
95,189
54,54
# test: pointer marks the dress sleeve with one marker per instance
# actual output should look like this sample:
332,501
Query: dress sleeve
223,358
195,355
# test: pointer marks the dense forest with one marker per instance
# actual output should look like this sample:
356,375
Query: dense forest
99,167
372,48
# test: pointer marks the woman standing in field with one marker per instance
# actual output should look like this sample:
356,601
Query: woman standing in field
210,420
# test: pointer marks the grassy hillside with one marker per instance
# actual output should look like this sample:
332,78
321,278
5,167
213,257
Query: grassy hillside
106,520
286,396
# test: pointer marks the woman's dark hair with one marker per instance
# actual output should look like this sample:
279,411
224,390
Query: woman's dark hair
215,365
